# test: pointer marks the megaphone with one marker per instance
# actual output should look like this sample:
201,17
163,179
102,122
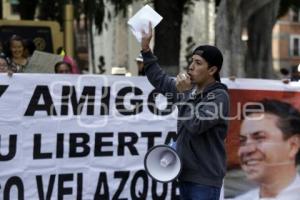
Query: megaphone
162,163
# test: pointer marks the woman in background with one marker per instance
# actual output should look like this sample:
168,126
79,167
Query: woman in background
18,53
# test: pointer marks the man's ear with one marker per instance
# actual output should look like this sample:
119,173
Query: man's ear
212,70
294,145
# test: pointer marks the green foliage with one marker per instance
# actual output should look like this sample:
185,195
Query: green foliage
121,5
94,10
27,9
51,10
78,9
99,17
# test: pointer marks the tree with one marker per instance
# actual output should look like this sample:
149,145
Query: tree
259,62
1,10
257,17
285,5
27,9
260,39
232,17
168,32
57,9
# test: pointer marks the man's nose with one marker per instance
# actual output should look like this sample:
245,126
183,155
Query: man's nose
190,68
247,149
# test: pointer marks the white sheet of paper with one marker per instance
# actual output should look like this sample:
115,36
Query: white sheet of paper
140,21
42,62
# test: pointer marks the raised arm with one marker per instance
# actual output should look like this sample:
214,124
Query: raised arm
158,77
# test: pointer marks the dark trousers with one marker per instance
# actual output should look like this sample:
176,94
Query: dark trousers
194,191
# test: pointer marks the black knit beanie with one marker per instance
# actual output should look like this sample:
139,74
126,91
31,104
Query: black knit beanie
213,57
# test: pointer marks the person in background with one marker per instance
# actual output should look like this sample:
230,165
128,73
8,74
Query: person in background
17,53
4,65
269,144
203,106
295,73
68,59
290,75
140,64
63,67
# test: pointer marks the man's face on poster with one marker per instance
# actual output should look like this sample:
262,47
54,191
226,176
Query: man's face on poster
263,150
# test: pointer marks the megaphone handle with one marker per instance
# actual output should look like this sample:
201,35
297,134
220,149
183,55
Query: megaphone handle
173,145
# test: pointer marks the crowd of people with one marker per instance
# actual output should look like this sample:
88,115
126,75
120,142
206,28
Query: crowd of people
16,53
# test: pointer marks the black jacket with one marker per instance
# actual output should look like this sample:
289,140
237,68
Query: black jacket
202,125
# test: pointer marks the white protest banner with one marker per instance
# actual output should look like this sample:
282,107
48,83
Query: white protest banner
80,137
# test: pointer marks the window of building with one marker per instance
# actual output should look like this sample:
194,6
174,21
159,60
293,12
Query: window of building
295,15
295,45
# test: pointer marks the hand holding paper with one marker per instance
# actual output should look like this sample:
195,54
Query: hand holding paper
146,38
140,21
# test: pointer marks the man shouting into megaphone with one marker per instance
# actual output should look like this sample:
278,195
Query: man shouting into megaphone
203,107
